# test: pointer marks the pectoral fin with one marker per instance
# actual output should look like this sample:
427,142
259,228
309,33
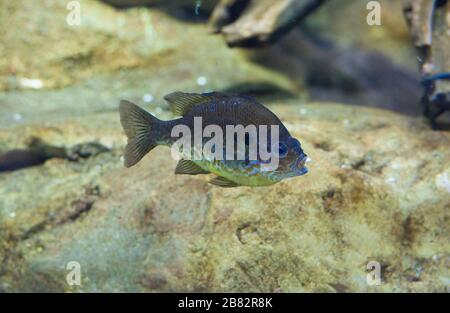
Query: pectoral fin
223,182
190,168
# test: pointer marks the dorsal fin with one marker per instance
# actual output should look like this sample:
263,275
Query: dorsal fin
181,102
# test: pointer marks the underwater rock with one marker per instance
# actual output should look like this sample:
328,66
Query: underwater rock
146,43
378,190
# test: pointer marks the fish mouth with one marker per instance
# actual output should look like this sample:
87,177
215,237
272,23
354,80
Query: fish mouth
299,166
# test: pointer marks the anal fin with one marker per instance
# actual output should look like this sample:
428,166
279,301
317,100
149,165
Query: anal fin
223,182
190,168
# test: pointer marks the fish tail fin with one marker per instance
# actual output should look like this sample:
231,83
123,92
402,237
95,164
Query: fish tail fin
141,129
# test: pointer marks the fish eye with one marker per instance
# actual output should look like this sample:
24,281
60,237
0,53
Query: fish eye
282,150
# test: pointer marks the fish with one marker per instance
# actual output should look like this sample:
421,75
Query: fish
145,131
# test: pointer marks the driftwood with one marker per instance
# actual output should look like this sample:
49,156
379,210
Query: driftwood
246,23
252,23
429,21
419,15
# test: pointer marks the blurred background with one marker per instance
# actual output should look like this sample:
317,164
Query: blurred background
332,54
351,90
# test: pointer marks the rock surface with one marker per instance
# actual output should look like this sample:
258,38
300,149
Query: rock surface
378,187
378,190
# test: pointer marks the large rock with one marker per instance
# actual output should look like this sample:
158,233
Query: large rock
165,51
378,190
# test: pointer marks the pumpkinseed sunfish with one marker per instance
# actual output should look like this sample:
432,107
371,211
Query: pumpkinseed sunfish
227,112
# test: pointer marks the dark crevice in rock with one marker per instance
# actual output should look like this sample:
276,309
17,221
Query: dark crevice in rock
239,232
78,208
412,226
248,278
39,152
10,241
35,229
332,201
359,164
323,145
340,288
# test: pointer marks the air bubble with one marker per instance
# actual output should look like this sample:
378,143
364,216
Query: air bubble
17,117
147,98
201,81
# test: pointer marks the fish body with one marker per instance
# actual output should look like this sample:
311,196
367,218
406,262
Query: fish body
145,131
